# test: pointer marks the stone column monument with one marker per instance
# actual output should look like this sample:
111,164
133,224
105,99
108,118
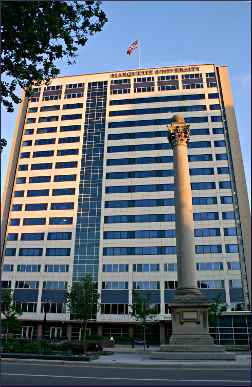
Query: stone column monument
189,308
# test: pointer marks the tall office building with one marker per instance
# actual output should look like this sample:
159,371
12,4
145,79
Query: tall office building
90,190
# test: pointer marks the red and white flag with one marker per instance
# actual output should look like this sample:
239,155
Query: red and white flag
132,47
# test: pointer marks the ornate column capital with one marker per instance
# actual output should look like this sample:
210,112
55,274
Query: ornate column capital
178,134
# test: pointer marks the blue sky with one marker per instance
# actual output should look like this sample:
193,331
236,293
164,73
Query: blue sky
170,33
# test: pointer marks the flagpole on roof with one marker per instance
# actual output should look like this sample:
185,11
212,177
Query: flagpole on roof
139,54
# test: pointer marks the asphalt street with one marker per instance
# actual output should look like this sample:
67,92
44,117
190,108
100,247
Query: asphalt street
37,373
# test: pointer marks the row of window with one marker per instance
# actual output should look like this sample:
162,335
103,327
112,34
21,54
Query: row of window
33,268
169,267
45,192
49,153
167,250
164,173
164,159
41,221
139,234
38,252
50,108
35,285
68,128
162,121
42,166
64,117
159,146
200,216
49,141
166,98
42,206
161,133
46,179
39,236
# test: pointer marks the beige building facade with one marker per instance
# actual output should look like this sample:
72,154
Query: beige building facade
90,190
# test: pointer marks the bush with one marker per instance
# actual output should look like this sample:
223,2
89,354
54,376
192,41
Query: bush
24,346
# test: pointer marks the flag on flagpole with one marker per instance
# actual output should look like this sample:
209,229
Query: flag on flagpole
132,47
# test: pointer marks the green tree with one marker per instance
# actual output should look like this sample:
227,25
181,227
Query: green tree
142,310
216,308
10,311
35,34
82,300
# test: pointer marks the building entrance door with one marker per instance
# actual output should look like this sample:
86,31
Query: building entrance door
27,332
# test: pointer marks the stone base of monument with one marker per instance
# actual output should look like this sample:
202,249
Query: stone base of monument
190,338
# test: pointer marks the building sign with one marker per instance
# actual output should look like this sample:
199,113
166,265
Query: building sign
164,70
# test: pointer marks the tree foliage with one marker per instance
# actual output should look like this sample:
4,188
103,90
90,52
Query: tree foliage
216,308
83,302
10,311
35,34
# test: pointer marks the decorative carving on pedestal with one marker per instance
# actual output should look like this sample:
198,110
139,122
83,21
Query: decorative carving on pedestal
178,132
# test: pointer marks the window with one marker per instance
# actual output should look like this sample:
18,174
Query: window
48,119
148,250
208,200
34,221
140,160
221,156
61,220
71,117
223,170
140,202
158,110
36,207
235,283
54,308
137,148
27,284
139,218
115,285
219,143
205,216
232,248
215,106
31,236
24,155
218,130
5,284
33,109
203,157
201,171
30,120
209,266
199,132
63,191
55,285
8,267
235,265
170,267
157,99
27,268
36,167
73,95
59,178
14,222
37,192
47,130
199,144
70,128
163,121
49,108
47,153
45,141
16,207
230,231
59,236
54,87
228,215
23,167
145,267
208,249
62,206
27,143
18,194
66,164
211,284
114,309
10,252
39,179
56,268
20,180
225,185
115,268
28,131
216,118
52,252
139,174
171,284
30,252
73,106
213,95
203,185
206,232
12,236
65,140
74,85
67,152
226,199
146,285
